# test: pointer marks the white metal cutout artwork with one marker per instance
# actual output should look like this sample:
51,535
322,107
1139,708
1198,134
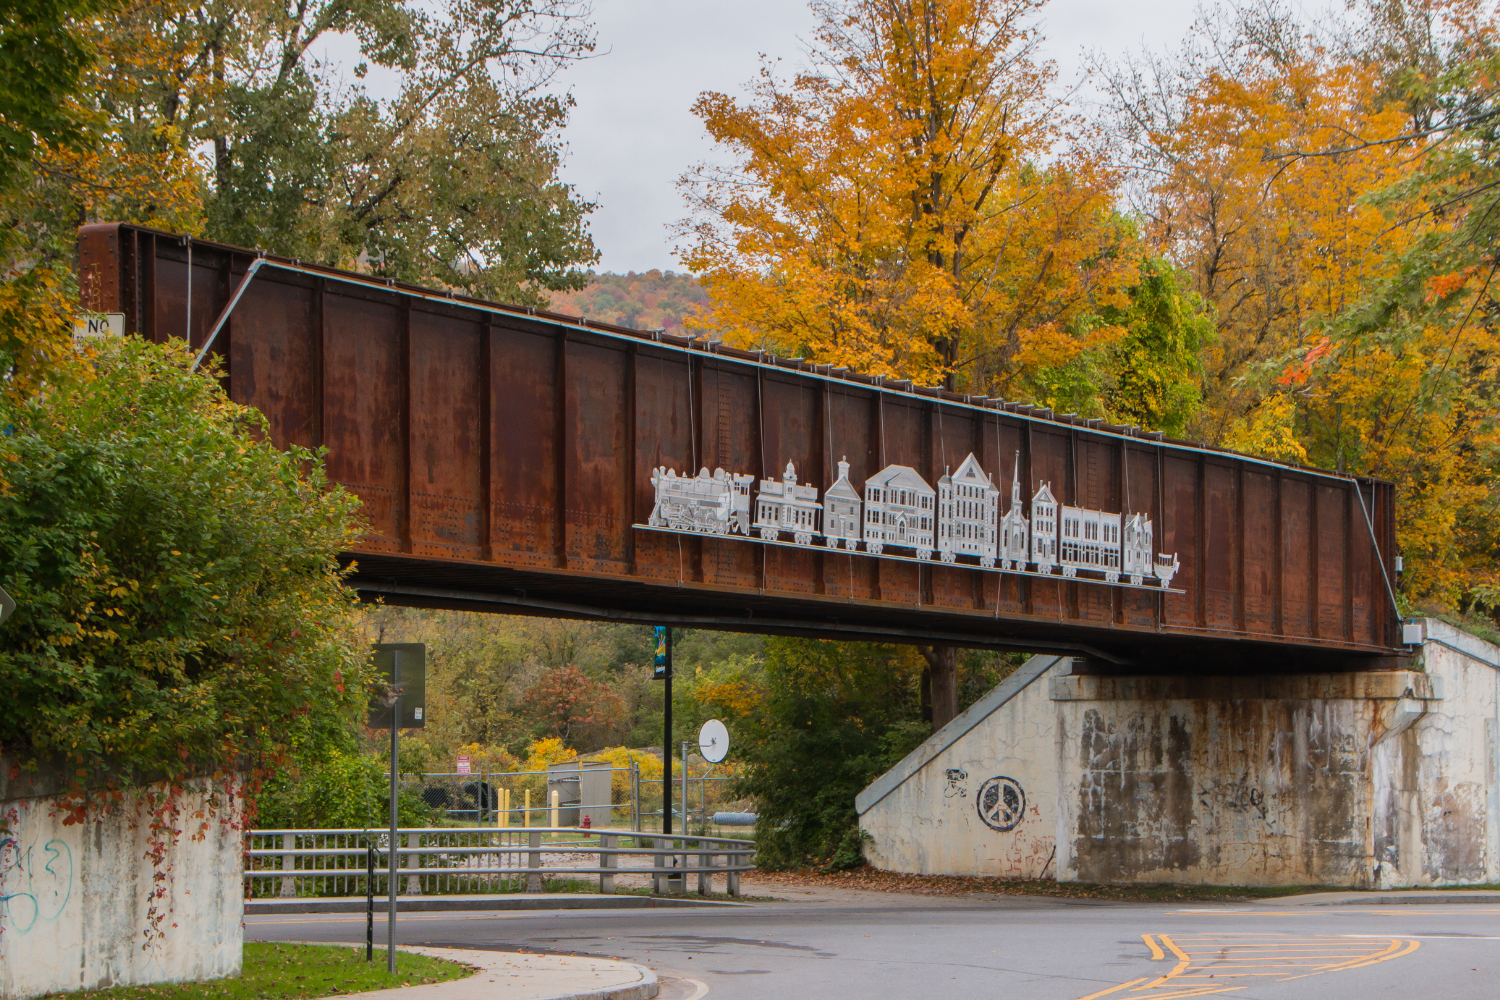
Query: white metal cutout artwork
899,511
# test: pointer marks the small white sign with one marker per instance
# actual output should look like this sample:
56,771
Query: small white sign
713,741
99,325
463,765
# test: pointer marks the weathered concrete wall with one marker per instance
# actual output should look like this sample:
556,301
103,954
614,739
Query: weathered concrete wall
79,904
1436,784
1385,778
979,797
1223,781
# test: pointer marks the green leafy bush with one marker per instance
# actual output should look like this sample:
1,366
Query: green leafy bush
337,790
836,716
180,602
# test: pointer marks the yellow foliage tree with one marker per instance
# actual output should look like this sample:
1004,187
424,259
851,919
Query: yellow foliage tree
737,697
620,759
1277,244
1296,183
545,752
129,160
138,166
913,206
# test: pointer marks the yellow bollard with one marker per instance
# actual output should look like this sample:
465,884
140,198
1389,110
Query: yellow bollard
526,811
552,812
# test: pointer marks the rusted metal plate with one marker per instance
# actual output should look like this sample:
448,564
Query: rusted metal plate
525,518
278,359
364,409
503,457
447,387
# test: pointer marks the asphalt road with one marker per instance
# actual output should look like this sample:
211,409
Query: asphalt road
873,946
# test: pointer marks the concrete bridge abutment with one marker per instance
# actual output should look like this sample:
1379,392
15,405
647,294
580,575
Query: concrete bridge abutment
121,889
1375,779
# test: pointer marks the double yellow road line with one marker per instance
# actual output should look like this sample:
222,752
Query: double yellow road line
1210,963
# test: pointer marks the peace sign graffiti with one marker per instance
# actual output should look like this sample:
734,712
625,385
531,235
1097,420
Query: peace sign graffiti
1001,803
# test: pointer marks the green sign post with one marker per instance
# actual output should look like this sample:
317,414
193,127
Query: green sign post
664,673
401,704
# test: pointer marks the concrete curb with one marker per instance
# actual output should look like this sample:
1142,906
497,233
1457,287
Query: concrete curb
508,975
513,901
1404,897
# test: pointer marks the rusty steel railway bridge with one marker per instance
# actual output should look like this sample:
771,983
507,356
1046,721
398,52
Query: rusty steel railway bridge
503,458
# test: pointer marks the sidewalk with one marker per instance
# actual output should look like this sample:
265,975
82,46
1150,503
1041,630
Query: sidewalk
505,975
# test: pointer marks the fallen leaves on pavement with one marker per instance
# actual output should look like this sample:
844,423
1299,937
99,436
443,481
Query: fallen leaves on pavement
874,879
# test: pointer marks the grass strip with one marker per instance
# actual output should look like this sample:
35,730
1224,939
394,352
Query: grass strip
274,971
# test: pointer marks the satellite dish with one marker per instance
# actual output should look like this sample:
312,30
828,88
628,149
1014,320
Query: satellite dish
713,741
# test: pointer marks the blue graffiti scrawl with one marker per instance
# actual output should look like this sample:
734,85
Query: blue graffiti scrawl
35,883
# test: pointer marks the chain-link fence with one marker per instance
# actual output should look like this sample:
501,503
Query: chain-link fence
597,797
695,804
464,797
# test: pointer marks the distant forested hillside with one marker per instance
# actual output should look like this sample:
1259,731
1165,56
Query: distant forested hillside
651,300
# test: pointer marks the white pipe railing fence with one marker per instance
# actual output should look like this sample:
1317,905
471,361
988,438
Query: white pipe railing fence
468,860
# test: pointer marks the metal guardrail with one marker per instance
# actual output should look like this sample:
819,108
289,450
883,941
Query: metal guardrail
448,861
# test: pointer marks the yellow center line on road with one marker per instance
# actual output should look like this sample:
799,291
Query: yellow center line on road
1114,992
1396,950
1223,958
1281,962
1256,954
1112,989
1299,949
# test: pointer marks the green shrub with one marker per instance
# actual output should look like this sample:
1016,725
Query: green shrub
837,715
180,606
338,790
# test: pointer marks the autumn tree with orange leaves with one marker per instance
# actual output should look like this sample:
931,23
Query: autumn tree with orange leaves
916,205
1327,190
568,704
913,205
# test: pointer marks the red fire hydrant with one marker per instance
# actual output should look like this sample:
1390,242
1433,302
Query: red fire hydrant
587,824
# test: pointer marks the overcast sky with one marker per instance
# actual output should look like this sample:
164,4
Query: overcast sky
633,133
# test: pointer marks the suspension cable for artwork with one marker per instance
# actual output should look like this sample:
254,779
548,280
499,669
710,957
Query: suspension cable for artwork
998,585
760,440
